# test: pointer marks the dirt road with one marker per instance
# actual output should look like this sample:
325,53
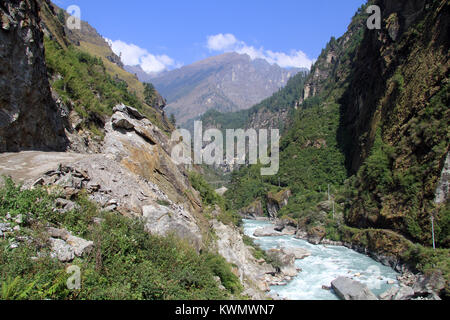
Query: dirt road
27,165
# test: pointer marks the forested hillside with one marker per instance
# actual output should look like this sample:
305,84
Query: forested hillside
373,128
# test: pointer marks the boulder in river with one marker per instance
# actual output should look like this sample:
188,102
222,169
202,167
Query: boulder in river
266,232
285,262
348,289
299,253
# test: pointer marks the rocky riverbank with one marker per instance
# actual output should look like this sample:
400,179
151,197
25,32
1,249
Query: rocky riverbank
411,285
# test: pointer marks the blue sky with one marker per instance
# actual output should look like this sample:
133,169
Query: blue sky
166,34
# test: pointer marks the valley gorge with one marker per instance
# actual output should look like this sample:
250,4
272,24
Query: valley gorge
89,179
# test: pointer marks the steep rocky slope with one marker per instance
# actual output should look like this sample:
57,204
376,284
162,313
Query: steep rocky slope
229,82
29,118
89,41
119,207
401,119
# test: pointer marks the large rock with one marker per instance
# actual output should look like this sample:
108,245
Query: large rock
389,294
254,210
429,284
298,253
80,247
266,232
221,191
348,289
231,246
286,261
61,250
162,220
29,118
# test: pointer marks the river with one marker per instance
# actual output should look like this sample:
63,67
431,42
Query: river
325,264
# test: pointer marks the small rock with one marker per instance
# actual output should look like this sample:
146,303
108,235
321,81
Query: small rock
389,294
113,201
110,208
405,293
16,228
5,227
266,232
390,281
19,219
38,182
98,220
14,245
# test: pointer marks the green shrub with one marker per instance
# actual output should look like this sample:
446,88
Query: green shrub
126,262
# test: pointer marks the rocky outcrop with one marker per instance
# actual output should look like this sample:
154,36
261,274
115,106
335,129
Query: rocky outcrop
231,246
134,176
348,289
314,235
275,202
254,210
29,118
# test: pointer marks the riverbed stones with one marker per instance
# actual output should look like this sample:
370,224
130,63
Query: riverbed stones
348,289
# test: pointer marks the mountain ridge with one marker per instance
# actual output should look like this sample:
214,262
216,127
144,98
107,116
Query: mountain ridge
227,82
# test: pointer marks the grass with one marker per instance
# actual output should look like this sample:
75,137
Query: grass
126,263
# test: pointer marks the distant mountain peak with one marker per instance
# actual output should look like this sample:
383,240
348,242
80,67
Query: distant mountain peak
226,82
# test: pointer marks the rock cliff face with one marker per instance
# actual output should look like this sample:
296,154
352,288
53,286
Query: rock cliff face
396,109
29,118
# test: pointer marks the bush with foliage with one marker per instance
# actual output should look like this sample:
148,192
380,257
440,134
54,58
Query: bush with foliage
126,262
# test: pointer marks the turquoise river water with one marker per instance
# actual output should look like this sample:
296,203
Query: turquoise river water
325,264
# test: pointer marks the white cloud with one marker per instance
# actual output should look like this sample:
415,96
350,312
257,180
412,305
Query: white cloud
133,55
221,42
229,43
